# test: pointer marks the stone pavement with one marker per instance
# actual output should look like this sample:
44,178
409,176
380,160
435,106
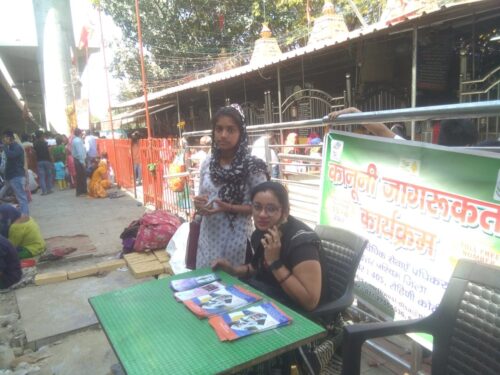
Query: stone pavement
61,335
59,315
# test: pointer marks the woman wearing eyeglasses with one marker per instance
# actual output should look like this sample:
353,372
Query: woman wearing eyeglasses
226,178
285,263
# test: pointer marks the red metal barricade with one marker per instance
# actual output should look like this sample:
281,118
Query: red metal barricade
162,185
120,159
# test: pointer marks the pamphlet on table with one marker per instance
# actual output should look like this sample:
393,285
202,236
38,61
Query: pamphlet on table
220,301
253,319
181,285
197,292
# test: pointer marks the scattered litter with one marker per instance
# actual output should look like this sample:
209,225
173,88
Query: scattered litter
25,263
115,195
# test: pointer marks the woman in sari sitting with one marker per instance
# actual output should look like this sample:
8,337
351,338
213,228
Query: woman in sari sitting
99,181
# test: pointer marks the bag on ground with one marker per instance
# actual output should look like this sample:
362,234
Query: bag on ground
155,230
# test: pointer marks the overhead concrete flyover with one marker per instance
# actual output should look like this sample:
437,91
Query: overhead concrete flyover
21,99
40,65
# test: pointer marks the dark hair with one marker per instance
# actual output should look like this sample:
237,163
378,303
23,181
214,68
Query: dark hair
77,132
277,189
39,134
457,132
229,112
8,133
59,140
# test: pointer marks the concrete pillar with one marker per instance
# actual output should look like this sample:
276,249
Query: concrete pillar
55,38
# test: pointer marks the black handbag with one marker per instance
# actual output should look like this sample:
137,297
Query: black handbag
192,242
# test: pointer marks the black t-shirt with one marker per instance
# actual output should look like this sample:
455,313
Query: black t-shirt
42,150
299,243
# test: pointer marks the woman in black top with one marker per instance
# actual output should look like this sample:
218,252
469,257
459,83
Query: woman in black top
285,262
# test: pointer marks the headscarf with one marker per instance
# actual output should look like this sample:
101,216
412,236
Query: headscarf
233,179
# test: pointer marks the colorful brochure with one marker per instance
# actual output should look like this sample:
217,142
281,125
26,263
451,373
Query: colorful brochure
221,301
197,292
251,320
193,282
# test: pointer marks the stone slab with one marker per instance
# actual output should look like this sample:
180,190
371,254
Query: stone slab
48,311
50,277
83,272
111,265
144,269
162,255
134,258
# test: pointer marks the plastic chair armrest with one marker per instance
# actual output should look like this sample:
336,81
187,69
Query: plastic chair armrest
355,335
333,307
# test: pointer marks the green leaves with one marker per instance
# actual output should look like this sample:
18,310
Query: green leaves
183,36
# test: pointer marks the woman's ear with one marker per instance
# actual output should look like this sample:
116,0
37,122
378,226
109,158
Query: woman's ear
283,219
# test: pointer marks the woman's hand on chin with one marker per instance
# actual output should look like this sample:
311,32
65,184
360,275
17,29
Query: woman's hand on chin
272,245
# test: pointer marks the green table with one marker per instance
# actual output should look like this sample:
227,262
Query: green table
153,334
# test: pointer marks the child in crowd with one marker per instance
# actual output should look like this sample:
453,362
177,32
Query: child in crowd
60,175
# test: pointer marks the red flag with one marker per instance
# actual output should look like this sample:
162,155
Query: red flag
221,21
84,38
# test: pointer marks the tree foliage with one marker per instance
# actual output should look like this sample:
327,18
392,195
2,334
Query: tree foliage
182,36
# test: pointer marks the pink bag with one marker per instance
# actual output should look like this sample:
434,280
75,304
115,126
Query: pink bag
155,230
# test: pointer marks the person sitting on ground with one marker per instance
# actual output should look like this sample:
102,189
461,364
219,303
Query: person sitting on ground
25,235
285,263
99,181
10,266
8,215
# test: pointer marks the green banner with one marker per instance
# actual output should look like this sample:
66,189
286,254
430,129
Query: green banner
421,206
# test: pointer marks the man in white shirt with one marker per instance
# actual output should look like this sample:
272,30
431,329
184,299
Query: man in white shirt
259,151
79,156
90,148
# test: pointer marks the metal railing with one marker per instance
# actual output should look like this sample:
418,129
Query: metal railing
438,112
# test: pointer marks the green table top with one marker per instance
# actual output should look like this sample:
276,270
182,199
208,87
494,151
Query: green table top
152,333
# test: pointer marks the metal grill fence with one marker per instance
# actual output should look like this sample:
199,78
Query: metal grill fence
172,190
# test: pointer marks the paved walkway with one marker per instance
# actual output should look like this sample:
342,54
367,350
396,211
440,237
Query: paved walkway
77,351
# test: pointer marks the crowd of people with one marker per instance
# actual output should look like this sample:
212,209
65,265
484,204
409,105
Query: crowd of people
68,162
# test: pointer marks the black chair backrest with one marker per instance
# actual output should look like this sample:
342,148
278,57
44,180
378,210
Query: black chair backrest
342,251
466,324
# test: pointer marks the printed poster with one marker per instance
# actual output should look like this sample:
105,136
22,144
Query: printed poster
421,206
